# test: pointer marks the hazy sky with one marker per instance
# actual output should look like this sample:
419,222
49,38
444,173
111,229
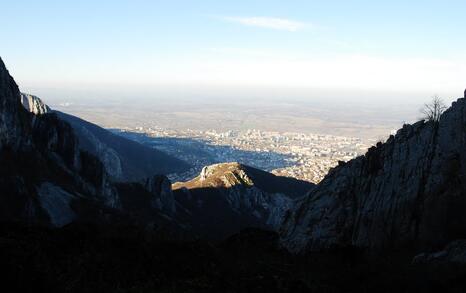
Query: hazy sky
411,46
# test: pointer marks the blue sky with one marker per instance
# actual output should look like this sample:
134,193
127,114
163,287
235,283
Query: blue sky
363,45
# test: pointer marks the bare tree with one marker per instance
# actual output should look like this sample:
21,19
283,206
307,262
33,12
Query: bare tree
433,110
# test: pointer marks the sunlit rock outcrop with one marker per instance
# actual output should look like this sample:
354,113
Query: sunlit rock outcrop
229,196
33,104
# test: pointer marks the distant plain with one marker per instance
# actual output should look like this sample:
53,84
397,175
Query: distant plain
369,116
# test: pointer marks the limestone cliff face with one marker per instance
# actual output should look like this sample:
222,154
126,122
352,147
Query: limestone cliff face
13,121
34,104
48,177
91,143
408,191
162,196
43,173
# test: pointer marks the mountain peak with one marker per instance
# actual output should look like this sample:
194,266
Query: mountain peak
225,175
234,174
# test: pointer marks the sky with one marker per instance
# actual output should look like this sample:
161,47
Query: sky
385,46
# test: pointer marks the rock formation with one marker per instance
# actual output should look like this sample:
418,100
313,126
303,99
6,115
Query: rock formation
229,196
161,189
13,121
46,177
33,104
407,192
57,169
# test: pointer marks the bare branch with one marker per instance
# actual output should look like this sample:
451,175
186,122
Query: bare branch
433,110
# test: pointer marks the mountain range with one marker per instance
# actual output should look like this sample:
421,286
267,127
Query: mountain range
95,172
69,180
227,197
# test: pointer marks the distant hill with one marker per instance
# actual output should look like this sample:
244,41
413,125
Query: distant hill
227,197
124,159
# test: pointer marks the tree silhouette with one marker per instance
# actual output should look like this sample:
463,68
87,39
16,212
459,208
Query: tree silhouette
433,110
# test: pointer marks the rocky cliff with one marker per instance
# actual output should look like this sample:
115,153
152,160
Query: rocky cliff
46,177
34,104
406,192
56,169
43,173
13,121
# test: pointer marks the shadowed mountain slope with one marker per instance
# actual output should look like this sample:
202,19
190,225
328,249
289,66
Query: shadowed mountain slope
124,159
46,178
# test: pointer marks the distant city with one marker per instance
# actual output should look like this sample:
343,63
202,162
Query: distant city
303,156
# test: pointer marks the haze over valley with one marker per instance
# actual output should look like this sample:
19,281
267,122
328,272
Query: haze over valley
301,136
367,115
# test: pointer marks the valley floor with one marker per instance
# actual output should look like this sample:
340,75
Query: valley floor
302,156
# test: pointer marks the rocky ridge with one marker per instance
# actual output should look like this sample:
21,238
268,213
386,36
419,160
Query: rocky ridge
237,196
406,192
56,178
45,175
34,104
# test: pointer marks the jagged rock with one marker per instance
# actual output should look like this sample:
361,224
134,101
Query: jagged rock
41,165
47,176
13,121
409,191
108,156
224,175
33,104
161,188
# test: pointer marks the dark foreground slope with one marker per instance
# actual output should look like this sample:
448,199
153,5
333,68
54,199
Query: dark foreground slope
81,258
